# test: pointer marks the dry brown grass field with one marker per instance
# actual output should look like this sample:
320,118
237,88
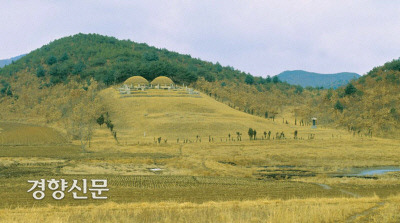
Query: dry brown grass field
167,114
199,174
24,134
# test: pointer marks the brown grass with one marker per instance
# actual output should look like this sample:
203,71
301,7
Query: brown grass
140,119
24,134
222,180
297,210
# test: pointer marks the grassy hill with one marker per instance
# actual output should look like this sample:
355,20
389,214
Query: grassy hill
111,61
311,79
174,115
75,60
20,134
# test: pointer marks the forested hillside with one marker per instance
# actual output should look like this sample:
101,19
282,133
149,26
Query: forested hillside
57,84
39,84
112,61
367,106
370,105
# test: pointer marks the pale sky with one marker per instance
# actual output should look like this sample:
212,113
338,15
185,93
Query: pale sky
259,37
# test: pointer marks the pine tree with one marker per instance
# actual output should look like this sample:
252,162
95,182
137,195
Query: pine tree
251,133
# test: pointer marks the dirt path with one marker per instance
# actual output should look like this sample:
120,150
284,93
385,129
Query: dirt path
324,186
327,187
350,193
353,217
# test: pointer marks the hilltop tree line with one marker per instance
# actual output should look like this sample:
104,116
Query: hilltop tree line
111,61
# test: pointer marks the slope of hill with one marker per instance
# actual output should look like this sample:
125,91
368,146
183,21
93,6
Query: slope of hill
20,134
177,115
369,105
310,79
8,61
146,116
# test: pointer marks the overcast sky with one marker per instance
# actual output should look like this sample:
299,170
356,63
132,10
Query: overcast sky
259,37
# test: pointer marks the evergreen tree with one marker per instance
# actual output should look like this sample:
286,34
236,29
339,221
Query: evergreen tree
350,89
275,79
40,72
100,120
339,106
64,57
51,60
249,79
251,133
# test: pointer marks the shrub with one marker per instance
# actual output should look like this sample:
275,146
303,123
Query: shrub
339,106
350,89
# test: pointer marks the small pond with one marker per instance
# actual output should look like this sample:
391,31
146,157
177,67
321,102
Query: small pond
378,171
288,171
370,171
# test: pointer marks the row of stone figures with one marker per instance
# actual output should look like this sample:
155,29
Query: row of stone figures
237,137
125,89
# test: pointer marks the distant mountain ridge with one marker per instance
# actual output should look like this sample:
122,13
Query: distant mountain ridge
8,61
311,79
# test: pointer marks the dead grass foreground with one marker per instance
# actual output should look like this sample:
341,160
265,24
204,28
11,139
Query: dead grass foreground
296,210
